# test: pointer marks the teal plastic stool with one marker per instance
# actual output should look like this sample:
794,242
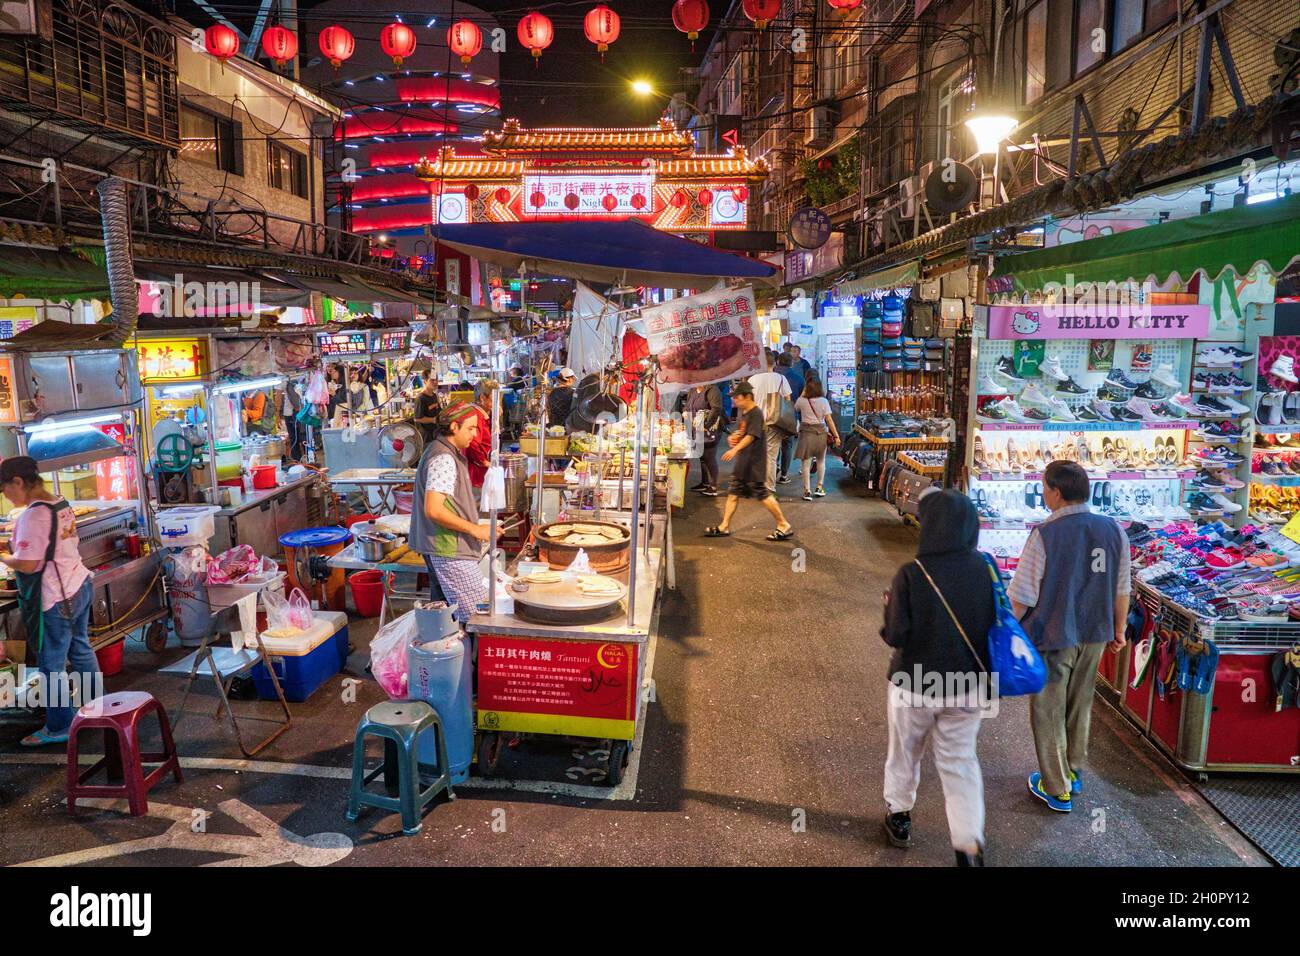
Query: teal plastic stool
399,723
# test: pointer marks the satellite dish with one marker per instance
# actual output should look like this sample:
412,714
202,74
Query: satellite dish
951,188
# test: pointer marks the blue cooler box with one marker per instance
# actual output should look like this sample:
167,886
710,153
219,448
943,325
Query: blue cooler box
303,662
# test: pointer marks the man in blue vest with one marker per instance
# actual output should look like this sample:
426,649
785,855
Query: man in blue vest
444,524
1071,592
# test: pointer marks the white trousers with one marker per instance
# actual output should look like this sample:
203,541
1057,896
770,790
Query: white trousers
953,730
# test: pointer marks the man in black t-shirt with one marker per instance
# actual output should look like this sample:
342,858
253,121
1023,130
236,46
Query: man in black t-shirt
427,407
749,476
560,402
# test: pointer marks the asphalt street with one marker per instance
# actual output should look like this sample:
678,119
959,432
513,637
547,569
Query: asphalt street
764,744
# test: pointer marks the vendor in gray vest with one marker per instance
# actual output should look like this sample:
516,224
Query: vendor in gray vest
1071,592
444,526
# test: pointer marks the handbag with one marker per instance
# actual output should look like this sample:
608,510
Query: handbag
1013,659
778,413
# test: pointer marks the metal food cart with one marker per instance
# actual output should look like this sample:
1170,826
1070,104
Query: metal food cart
75,412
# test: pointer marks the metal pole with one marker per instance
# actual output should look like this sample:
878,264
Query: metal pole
495,461
209,401
636,509
651,413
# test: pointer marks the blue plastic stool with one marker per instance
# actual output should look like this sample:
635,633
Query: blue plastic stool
399,723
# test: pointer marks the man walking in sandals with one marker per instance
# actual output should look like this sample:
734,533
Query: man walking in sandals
749,476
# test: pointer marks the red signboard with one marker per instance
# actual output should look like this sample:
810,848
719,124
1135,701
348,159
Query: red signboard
580,688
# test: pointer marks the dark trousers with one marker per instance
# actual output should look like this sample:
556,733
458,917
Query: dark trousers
709,464
787,453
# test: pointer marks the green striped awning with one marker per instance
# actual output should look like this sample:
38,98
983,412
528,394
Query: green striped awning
895,277
1239,239
31,273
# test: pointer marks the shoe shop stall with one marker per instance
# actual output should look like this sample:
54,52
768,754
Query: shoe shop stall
1166,369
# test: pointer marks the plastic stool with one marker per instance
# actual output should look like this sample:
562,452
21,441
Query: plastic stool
399,723
118,715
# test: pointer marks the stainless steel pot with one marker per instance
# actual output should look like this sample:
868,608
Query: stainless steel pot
515,466
272,448
375,547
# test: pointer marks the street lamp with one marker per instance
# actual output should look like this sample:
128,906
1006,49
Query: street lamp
642,87
990,126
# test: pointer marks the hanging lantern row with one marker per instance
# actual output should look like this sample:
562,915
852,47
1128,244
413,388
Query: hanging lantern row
679,199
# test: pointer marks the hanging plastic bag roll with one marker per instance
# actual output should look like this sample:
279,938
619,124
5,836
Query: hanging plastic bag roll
494,490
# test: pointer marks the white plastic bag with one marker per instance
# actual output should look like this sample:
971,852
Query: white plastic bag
317,393
388,654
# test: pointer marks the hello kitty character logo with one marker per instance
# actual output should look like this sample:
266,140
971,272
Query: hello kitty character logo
1025,323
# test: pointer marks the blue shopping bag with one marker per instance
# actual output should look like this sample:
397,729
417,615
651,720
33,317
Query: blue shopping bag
1012,656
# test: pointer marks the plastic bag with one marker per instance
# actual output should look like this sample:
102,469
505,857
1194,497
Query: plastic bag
300,613
232,566
317,393
388,654
1013,658
294,614
190,562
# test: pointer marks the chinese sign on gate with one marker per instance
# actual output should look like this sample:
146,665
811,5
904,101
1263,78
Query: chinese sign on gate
590,190
710,337
586,689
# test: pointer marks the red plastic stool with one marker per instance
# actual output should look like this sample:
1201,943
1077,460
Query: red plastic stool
118,715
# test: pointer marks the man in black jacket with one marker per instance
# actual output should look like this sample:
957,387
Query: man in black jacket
937,618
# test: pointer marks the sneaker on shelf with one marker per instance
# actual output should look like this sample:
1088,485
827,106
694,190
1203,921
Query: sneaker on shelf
1118,379
1211,456
1227,505
1031,415
1102,410
1032,395
1270,468
1070,386
1122,413
1225,559
1051,368
1283,367
1222,356
1059,411
994,413
1268,409
991,386
1211,406
1169,412
1236,354
1200,503
1108,393
1230,458
1086,413
1231,404
1154,411
1207,481
1149,391
1185,403
1007,369
1164,375
1201,378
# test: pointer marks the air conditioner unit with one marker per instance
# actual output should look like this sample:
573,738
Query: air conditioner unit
819,124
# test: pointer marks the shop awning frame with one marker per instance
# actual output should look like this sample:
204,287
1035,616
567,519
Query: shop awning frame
895,277
1238,239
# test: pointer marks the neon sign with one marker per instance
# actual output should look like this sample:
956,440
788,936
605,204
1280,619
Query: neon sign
590,190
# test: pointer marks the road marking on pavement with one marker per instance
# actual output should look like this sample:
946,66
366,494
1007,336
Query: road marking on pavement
1218,825
273,845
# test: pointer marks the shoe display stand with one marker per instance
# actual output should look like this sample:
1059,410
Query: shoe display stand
1274,495
1140,469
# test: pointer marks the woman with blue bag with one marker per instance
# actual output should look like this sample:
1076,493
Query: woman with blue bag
938,615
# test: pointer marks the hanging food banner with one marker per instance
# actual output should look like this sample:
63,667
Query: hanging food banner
1137,320
710,337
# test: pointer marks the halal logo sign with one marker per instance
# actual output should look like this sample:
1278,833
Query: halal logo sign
810,228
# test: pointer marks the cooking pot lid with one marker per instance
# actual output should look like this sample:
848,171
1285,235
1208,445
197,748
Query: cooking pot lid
315,537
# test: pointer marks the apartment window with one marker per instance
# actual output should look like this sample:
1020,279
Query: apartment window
1132,19
287,169
729,95
1036,52
951,138
208,139
1089,50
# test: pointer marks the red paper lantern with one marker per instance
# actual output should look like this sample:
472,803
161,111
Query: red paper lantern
536,33
503,195
609,202
680,199
706,197
741,193
398,41
471,192
279,44
221,41
691,16
844,6
601,26
571,201
638,201
465,40
761,12
538,199
337,44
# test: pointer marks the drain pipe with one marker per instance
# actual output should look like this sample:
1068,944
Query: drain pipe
114,209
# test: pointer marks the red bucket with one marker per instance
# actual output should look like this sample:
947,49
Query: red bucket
368,592
110,658
264,476
349,521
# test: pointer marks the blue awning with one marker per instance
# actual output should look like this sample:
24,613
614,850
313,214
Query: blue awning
621,251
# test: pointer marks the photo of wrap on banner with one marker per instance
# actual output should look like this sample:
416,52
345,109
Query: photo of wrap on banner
710,337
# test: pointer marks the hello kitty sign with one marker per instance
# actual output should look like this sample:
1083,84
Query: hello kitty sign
1064,321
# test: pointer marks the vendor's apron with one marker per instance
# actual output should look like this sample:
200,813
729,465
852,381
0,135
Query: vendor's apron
29,585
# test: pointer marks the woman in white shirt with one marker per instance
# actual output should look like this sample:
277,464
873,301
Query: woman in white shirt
816,427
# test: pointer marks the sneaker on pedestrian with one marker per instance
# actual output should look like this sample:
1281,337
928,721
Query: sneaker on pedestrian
819,493
807,496
1076,782
1061,804
709,492
898,828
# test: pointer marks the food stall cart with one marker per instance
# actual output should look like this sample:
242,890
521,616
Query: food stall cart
356,444
75,413
199,448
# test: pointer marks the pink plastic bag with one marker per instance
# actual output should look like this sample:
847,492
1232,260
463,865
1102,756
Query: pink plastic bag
388,655
232,566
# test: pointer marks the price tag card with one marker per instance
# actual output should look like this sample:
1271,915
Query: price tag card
1292,528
